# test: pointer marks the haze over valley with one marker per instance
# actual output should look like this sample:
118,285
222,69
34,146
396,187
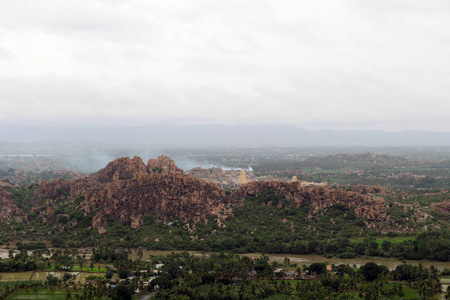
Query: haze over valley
224,149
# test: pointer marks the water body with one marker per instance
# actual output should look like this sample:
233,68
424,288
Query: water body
4,253
390,263
300,260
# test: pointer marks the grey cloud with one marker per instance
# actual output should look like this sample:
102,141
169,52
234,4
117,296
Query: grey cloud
316,64
5,53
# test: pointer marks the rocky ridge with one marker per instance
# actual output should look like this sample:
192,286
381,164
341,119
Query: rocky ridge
443,207
321,198
127,189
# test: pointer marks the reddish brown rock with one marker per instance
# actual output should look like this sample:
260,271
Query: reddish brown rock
443,207
126,190
121,169
168,194
8,210
163,165
320,198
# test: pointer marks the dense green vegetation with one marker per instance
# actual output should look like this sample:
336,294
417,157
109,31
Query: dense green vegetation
8,288
258,226
20,263
227,276
65,288
415,231
48,290
55,293
267,229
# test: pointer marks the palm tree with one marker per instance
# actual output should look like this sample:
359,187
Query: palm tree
75,290
74,252
81,260
68,294
51,290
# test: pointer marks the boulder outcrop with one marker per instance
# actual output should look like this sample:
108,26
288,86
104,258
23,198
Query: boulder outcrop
164,165
8,210
443,207
126,189
320,198
120,169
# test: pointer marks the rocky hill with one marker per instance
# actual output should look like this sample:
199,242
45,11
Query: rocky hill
128,189
321,198
156,205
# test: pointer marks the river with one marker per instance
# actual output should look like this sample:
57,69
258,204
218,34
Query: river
300,260
390,263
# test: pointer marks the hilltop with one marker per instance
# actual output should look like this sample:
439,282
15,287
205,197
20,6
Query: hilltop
158,206
127,189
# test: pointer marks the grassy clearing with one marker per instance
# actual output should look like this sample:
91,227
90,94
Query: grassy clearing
89,270
394,240
409,292
77,268
291,282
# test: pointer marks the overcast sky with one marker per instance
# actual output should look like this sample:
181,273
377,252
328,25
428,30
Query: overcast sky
311,64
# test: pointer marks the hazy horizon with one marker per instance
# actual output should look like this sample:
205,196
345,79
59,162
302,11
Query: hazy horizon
216,136
341,65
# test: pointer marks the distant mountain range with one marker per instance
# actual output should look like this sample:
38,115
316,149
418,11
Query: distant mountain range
220,136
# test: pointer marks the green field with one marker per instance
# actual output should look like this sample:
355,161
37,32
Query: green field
56,294
46,293
392,240
77,268
86,269
409,292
